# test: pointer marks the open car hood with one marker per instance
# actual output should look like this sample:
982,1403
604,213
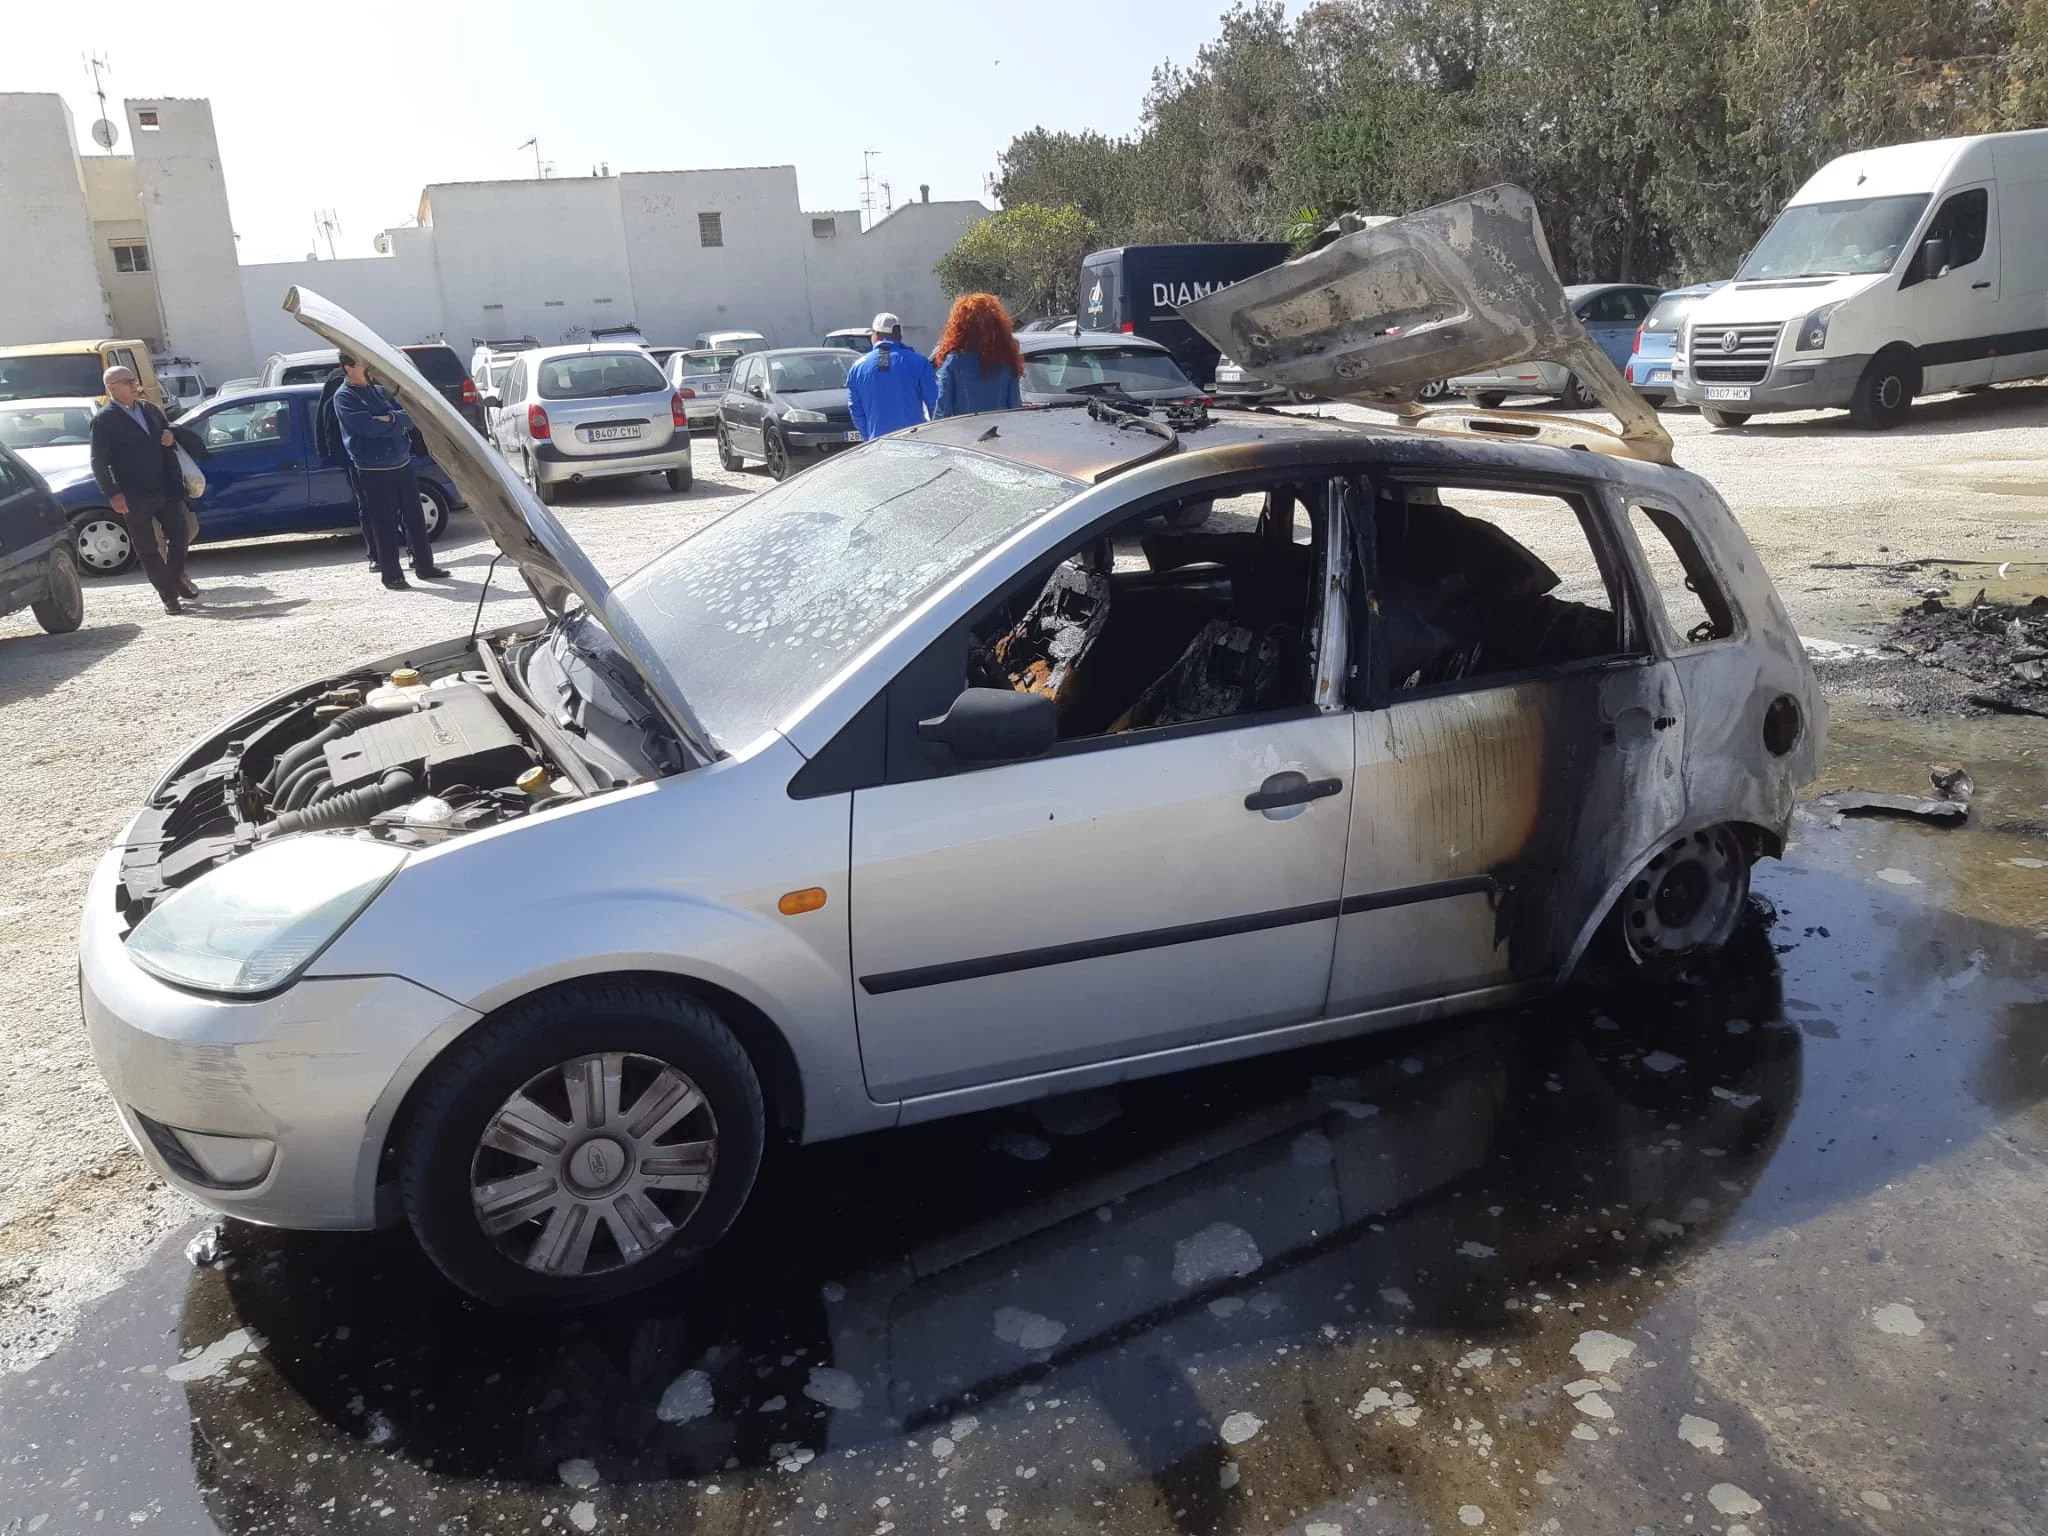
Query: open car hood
1382,307
554,565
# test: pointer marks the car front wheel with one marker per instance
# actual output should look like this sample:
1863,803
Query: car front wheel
104,548
1576,396
776,451
586,1143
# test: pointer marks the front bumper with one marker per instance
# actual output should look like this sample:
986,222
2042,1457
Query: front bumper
819,437
1795,384
554,467
317,1069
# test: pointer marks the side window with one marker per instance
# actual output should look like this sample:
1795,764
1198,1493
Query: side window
1636,305
253,424
1476,582
1202,610
1961,221
1693,600
12,481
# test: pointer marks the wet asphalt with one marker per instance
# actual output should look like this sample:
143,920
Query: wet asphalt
1759,1252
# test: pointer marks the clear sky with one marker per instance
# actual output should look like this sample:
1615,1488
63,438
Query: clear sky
355,107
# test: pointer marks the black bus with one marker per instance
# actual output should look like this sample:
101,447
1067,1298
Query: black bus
1138,289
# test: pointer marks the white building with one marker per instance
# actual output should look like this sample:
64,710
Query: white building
140,245
135,245
675,252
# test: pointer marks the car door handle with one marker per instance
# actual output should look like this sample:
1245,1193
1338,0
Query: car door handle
287,463
1985,284
1283,789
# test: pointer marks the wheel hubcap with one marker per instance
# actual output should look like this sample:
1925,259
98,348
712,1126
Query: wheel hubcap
1889,390
1688,897
430,513
103,544
593,1165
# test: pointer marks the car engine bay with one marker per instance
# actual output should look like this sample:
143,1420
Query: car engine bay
488,734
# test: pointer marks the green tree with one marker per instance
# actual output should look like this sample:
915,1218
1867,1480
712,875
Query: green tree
1029,256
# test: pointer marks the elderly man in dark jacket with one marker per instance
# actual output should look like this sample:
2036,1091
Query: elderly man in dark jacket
135,461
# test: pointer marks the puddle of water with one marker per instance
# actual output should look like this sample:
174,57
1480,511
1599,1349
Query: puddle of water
1343,1285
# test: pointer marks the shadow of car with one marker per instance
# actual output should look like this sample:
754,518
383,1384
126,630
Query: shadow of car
263,474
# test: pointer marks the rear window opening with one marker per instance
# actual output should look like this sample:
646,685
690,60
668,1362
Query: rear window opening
592,375
1694,603
1472,582
438,365
708,364
1202,610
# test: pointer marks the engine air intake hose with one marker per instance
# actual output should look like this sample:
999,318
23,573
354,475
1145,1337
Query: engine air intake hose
348,720
350,809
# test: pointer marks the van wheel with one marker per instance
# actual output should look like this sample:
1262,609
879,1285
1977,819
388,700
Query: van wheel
64,609
588,1142
1714,416
1884,395
1683,904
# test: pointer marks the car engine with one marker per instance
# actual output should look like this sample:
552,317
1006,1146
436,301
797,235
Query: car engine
413,757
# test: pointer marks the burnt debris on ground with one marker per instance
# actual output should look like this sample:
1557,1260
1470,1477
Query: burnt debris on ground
2001,647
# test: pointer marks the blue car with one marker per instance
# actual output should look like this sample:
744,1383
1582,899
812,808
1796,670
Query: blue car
262,476
1649,366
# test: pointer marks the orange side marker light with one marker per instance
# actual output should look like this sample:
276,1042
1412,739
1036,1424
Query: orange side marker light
799,902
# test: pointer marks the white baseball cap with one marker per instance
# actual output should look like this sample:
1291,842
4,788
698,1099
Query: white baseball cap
885,323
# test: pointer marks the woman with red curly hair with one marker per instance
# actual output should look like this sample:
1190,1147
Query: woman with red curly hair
978,361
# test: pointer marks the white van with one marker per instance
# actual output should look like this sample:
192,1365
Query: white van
1894,272
731,341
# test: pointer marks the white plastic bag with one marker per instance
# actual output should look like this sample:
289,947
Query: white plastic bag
195,482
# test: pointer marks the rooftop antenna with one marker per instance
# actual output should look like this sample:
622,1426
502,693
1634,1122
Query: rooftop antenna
534,145
104,133
867,186
888,202
326,222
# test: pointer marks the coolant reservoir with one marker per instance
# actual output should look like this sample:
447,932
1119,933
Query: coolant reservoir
404,687
431,816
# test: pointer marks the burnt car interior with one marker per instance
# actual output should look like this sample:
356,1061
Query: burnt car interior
1148,625
1457,596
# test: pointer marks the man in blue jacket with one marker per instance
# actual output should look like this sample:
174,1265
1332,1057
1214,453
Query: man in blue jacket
378,436
892,386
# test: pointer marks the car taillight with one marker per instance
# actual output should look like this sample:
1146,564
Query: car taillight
675,409
687,394
536,422
1639,339
1128,328
468,390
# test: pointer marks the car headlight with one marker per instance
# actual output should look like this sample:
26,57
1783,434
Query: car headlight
803,416
1813,330
254,924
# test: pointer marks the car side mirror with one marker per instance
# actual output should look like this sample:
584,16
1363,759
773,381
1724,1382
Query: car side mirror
1933,256
493,403
995,725
757,392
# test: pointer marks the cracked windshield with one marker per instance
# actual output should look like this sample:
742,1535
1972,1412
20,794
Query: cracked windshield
1239,769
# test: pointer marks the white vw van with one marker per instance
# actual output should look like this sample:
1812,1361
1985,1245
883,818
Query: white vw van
1894,272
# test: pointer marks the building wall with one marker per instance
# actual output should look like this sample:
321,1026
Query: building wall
184,200
530,258
890,268
755,281
51,288
398,295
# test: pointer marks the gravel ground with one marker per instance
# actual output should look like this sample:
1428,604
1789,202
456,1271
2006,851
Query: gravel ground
90,718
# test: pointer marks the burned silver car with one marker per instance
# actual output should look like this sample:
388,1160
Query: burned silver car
943,776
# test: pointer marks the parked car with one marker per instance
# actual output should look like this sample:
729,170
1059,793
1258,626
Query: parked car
298,367
38,563
1649,364
182,381
488,357
786,408
1060,366
566,415
1051,323
1907,270
441,366
239,386
731,341
701,378
74,369
926,782
854,338
262,477
1610,312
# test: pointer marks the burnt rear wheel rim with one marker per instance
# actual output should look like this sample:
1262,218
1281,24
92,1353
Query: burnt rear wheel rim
1688,897
595,1164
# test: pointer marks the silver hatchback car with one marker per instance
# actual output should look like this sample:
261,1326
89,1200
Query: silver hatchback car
938,777
564,415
